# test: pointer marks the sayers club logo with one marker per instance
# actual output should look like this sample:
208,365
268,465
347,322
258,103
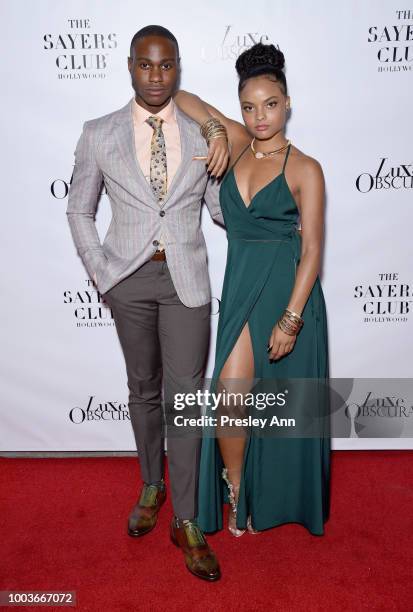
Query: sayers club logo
90,310
393,44
387,301
80,53
386,176
95,411
88,307
232,45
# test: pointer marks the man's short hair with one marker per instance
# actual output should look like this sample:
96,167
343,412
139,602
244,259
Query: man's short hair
153,30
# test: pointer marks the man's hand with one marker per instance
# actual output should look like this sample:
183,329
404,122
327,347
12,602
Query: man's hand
218,156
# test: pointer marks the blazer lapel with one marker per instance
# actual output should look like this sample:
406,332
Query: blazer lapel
188,140
126,142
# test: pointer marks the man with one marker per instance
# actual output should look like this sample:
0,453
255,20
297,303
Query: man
152,270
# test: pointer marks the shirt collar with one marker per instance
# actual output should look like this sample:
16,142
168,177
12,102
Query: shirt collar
168,114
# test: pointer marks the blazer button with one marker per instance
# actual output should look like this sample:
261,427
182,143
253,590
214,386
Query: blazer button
155,242
162,213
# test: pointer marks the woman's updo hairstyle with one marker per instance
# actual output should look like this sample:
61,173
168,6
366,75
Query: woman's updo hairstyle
259,60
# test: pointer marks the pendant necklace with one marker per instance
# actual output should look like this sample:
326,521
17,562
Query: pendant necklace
261,155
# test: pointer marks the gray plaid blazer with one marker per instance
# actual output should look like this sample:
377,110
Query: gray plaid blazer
106,153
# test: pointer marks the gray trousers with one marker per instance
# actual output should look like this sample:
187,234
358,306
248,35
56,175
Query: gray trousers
163,341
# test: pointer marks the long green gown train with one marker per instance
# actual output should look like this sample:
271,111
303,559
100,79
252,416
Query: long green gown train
283,479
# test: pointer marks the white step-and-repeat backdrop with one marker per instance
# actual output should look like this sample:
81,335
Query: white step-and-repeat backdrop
350,73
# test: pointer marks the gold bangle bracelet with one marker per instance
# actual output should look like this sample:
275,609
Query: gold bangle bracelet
218,135
288,325
208,124
288,331
289,322
212,128
215,132
294,314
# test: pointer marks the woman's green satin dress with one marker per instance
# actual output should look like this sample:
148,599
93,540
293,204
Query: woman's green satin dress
284,479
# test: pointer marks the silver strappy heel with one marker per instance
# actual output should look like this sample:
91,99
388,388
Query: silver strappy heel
232,520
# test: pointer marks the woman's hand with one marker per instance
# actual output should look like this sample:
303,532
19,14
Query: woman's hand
218,156
280,343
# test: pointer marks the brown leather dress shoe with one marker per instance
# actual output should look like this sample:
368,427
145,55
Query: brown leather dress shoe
144,514
199,558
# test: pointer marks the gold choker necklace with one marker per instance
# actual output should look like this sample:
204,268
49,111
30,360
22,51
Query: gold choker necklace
261,155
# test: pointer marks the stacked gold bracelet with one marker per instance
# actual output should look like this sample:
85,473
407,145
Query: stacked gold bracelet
290,322
213,128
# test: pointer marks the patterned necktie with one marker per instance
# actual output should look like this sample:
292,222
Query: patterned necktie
158,173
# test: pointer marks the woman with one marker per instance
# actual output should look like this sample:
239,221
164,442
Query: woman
272,323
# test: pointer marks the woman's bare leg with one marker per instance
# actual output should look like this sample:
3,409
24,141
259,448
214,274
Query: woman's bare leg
236,377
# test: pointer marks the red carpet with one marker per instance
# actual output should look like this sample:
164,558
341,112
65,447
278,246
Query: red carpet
63,527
